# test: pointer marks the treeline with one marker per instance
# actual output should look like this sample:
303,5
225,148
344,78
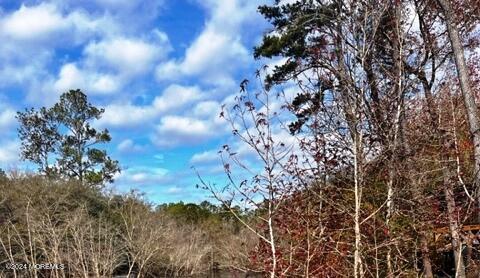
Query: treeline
58,228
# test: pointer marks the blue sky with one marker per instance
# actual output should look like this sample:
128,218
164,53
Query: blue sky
161,69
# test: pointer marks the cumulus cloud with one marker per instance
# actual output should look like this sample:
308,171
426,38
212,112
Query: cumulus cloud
31,23
176,96
72,77
41,23
110,64
143,175
32,36
9,152
7,117
197,125
205,157
127,56
173,98
125,115
18,73
213,55
209,108
172,124
218,51
35,36
177,125
129,146
175,130
133,12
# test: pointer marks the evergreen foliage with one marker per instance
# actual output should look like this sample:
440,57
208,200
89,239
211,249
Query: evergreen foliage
64,133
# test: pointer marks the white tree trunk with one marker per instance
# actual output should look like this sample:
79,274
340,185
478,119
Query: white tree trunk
468,96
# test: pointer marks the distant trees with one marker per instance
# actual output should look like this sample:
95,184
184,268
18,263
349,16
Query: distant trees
62,142
85,233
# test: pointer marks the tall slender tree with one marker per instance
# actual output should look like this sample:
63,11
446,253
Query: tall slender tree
465,85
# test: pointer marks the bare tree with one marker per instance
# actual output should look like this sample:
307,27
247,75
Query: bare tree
254,122
466,88
142,234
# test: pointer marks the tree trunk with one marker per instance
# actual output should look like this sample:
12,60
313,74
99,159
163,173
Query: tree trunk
468,96
272,241
394,140
357,156
427,265
448,186
453,225
442,139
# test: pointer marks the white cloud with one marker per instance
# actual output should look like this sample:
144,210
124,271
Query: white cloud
20,74
213,55
142,175
7,117
228,15
179,130
176,96
125,115
139,177
207,108
35,22
218,51
9,152
110,64
184,126
35,35
46,23
127,56
191,127
69,77
31,37
72,77
172,99
129,146
205,157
